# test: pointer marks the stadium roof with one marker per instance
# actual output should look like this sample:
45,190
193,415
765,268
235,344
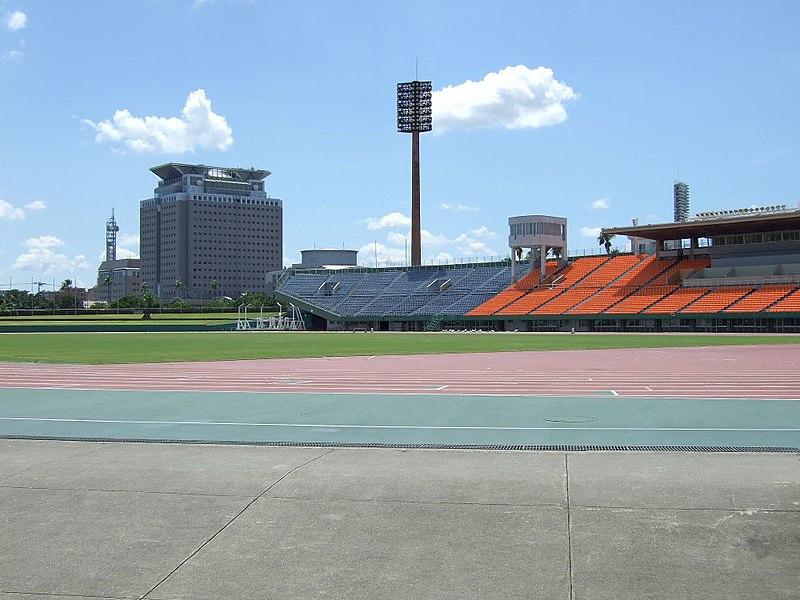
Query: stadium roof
743,223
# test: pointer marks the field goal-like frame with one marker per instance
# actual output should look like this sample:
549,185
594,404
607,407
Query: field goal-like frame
291,321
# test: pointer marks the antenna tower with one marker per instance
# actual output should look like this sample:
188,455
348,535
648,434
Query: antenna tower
111,238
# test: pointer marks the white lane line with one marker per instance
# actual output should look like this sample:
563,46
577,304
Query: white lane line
352,426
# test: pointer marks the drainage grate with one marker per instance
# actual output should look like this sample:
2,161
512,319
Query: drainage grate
528,447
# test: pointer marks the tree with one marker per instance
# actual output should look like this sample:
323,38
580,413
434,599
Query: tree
66,284
178,286
257,299
15,300
604,239
125,302
214,286
107,283
149,300
178,303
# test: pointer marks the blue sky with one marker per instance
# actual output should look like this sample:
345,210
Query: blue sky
583,109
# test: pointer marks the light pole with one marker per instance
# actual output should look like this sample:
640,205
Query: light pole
414,115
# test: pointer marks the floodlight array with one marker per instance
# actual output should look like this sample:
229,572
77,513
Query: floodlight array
414,106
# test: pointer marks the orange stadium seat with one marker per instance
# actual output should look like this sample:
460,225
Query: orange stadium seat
761,298
621,270
675,301
514,292
529,302
638,301
570,275
717,300
791,303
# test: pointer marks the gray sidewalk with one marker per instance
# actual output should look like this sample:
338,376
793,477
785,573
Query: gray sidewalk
121,520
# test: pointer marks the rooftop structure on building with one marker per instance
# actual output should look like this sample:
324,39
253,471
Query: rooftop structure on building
209,231
327,258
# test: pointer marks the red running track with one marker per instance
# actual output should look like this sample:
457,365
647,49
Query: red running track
752,372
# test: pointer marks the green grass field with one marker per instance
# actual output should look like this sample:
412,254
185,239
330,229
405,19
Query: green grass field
45,321
114,348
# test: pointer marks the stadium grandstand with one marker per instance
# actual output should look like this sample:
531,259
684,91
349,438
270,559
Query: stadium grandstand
724,271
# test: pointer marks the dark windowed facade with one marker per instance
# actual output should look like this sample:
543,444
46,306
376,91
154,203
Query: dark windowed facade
212,229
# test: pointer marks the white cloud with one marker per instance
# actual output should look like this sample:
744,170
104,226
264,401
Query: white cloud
466,244
433,240
199,127
469,246
591,232
125,253
398,239
12,55
42,259
128,246
374,252
16,21
36,205
484,231
45,241
601,203
394,219
397,246
458,207
128,239
513,98
10,212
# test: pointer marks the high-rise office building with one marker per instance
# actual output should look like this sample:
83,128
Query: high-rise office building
209,231
681,200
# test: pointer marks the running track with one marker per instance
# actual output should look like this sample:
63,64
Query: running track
734,397
752,372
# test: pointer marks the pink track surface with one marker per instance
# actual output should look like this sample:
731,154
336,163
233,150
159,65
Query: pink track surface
756,372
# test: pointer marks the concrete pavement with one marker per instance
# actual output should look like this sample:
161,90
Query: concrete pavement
159,521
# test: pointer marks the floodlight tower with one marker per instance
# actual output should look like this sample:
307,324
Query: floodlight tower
111,238
414,115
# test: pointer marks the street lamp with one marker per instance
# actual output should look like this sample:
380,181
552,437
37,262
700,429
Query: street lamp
414,115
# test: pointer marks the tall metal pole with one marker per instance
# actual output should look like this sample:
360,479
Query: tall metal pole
416,221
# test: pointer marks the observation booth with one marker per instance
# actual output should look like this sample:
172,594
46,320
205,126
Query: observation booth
541,235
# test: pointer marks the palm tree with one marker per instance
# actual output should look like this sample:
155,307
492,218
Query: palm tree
107,282
214,286
178,286
66,284
604,239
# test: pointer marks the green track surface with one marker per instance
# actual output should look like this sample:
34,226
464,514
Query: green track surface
402,420
116,348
